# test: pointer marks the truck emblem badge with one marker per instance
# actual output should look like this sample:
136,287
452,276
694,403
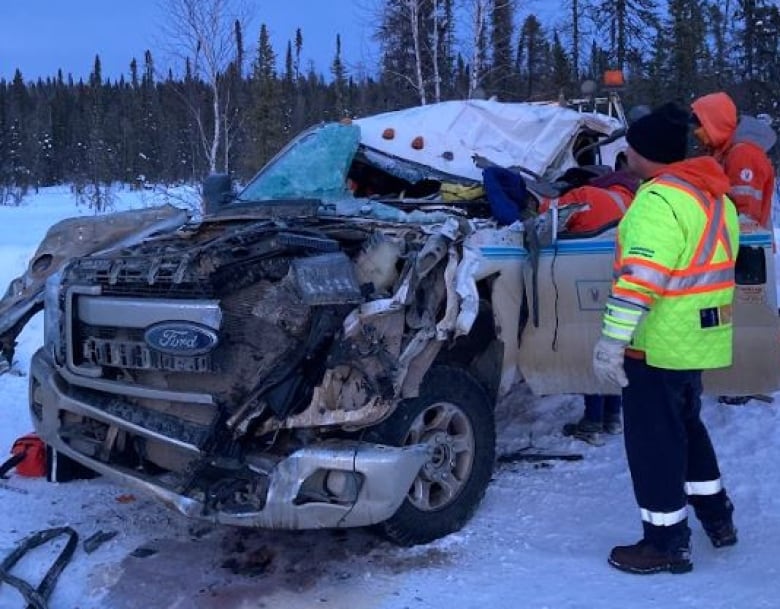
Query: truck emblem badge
181,338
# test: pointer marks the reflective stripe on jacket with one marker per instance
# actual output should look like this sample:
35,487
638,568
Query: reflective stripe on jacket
605,207
674,275
752,181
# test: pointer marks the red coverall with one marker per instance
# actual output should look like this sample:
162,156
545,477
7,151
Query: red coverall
605,206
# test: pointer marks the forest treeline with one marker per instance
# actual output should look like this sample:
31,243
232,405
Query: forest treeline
226,110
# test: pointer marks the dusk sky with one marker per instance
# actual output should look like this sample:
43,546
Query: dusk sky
41,36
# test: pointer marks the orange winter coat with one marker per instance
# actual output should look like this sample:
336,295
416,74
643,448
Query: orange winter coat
605,206
747,166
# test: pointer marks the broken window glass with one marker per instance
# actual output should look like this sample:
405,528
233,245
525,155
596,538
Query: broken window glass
313,166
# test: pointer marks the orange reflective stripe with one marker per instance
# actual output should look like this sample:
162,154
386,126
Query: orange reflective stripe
635,261
702,273
632,296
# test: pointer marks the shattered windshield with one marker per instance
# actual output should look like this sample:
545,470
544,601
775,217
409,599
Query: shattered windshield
312,166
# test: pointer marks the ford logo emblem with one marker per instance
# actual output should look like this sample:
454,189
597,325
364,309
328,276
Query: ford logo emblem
181,338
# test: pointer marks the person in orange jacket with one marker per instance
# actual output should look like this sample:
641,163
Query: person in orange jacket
747,166
606,199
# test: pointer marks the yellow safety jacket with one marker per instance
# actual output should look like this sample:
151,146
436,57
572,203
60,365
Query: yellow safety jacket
674,276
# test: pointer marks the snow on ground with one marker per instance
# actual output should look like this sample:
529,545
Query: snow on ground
539,540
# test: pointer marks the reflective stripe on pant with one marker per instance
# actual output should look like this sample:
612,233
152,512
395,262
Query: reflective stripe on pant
667,445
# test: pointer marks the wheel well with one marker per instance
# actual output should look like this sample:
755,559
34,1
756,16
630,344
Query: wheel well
480,351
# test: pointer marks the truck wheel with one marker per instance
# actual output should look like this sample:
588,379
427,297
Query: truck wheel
454,415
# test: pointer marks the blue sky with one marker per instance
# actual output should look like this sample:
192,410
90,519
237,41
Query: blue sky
40,36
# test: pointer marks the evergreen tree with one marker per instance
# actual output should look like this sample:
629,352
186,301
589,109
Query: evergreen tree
93,181
687,47
502,78
445,55
532,52
561,78
630,24
266,117
339,84
718,69
18,138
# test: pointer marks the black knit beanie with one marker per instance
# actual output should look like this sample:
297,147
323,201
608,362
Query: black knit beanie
662,135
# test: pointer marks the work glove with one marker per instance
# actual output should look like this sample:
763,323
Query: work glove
608,356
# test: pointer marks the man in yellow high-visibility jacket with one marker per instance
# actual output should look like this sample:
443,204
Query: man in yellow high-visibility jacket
668,317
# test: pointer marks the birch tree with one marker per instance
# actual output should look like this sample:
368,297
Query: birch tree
406,47
478,11
202,33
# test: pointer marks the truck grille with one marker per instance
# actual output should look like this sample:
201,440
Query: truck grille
135,355
162,277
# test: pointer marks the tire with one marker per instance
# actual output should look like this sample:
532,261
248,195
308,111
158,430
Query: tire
452,405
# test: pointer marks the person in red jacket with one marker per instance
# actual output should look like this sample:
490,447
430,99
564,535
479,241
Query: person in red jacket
747,166
606,199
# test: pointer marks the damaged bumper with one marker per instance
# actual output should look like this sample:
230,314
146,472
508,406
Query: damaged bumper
334,484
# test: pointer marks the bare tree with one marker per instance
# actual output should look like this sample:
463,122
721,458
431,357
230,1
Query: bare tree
202,34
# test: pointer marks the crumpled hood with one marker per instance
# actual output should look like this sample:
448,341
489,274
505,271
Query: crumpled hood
704,172
718,116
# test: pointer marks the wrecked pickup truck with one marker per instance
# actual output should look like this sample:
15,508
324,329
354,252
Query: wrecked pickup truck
325,348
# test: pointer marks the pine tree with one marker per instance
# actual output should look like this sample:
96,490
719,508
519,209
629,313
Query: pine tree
339,85
266,118
502,77
532,52
93,183
687,47
630,24
561,78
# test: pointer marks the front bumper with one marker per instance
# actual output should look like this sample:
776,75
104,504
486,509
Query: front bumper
386,472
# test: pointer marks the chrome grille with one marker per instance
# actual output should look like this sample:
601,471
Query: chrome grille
137,355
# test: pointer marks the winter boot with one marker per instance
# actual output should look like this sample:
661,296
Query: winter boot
644,558
722,533
715,513
613,425
585,430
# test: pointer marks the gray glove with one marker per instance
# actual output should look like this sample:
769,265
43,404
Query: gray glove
608,356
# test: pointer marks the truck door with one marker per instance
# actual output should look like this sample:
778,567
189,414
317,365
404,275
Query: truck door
574,280
756,367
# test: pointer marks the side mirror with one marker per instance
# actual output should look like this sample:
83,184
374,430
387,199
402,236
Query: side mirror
217,191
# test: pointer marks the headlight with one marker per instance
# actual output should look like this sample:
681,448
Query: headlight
52,314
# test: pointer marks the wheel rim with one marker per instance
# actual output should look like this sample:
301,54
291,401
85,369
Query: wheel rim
445,428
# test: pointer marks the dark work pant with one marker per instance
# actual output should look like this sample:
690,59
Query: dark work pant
668,445
599,407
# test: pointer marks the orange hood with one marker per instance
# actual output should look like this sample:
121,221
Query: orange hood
704,172
718,116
